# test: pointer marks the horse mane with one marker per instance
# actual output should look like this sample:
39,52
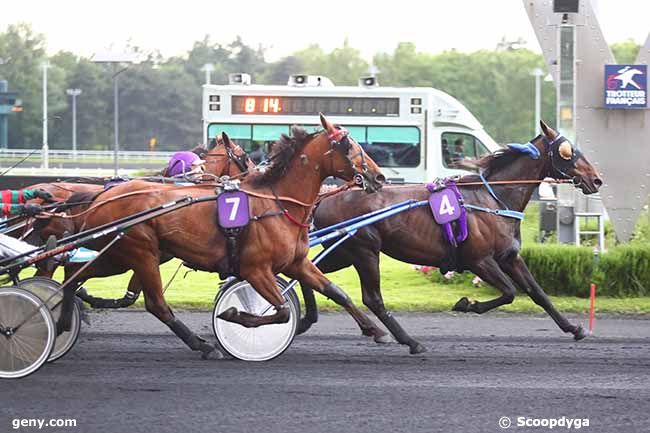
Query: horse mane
281,154
494,162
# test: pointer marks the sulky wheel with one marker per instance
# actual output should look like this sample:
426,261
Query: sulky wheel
27,333
253,344
45,288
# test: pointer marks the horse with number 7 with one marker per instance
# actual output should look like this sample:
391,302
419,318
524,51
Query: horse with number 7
280,197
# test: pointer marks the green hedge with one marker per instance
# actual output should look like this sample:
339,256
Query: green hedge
561,269
623,271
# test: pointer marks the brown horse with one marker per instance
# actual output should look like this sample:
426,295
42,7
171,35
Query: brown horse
221,159
275,241
491,250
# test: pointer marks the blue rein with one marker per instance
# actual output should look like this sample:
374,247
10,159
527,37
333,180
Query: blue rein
500,212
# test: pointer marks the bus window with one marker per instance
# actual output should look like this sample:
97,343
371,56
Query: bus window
391,146
457,146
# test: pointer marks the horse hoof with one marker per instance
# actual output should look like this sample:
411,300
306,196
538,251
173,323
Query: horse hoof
229,314
579,333
417,348
462,305
303,326
383,339
213,355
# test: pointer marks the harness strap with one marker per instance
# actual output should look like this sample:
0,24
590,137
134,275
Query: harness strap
500,212
286,213
491,191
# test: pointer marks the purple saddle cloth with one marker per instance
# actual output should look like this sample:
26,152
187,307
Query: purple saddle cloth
446,203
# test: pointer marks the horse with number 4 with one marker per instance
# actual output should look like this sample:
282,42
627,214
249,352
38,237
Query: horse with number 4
262,231
475,226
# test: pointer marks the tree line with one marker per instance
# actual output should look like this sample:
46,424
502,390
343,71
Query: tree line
161,97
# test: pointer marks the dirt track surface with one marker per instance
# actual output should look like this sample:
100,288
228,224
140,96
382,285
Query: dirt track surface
128,373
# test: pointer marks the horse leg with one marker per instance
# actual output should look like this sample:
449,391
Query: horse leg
520,274
148,273
330,263
368,271
306,272
489,270
132,293
311,310
337,260
264,282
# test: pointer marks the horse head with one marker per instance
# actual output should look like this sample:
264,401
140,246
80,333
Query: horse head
225,158
568,162
346,159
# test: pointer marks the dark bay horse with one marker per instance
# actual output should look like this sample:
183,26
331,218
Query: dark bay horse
275,241
491,251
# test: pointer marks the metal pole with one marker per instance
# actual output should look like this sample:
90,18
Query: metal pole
538,102
46,159
538,73
117,127
208,68
74,126
4,122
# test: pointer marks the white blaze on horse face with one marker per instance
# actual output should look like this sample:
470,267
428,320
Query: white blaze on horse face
445,207
565,150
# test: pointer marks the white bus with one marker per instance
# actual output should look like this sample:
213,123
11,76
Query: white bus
413,133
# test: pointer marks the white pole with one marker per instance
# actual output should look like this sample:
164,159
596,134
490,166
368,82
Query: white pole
208,68
116,132
537,72
74,126
74,93
46,159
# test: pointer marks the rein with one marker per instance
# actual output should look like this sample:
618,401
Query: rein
112,199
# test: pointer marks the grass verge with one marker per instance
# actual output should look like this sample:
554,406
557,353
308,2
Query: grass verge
403,288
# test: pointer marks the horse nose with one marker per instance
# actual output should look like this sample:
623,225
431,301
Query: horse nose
598,182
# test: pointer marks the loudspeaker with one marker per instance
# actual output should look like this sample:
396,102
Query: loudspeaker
566,6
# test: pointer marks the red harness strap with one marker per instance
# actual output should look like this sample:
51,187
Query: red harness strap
293,220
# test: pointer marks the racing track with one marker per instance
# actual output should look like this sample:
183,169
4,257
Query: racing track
477,370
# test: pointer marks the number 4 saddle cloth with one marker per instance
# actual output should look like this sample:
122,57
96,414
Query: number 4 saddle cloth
446,204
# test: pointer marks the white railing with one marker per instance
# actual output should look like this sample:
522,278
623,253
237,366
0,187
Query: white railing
85,154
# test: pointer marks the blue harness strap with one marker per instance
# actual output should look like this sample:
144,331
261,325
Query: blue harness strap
500,212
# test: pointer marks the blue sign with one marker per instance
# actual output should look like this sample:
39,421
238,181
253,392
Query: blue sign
626,86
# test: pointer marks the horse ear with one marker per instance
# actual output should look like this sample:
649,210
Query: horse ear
327,126
226,139
547,130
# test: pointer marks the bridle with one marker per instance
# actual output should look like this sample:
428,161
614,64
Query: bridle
559,165
339,141
239,160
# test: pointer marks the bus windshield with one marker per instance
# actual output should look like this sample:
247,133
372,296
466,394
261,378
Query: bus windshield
388,146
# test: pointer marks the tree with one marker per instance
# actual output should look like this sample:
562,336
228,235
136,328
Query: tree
626,51
25,52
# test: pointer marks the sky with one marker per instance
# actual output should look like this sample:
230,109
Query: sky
282,27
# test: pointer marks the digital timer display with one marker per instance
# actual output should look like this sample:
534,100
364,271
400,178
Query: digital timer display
312,105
